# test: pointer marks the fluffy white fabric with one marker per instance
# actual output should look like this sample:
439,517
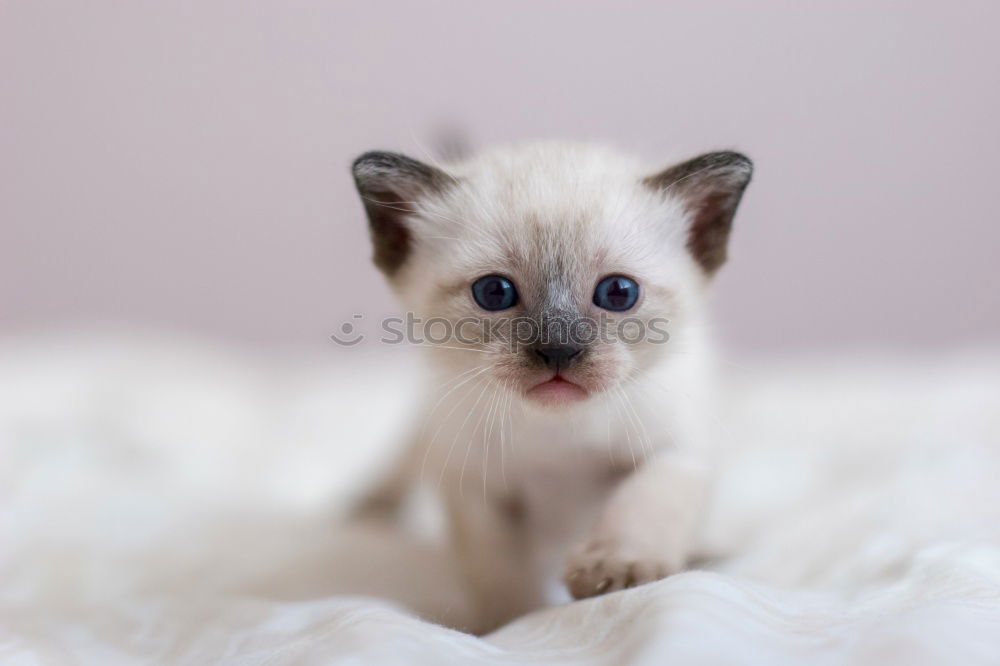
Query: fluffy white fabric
174,504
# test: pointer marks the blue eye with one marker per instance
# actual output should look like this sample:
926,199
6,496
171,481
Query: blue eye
616,292
494,292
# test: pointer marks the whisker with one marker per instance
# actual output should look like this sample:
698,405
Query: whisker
441,387
471,349
488,435
621,397
472,438
430,445
607,413
454,441
641,384
510,421
648,444
628,437
505,400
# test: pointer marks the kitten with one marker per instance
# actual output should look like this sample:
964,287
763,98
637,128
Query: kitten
579,457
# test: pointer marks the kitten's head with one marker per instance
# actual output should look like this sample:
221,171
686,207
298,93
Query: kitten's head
556,271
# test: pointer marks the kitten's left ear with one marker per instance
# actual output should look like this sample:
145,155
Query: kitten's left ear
711,187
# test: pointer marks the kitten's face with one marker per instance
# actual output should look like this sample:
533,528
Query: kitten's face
558,272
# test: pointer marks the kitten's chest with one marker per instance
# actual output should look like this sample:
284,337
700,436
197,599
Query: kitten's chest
560,472
560,486
589,446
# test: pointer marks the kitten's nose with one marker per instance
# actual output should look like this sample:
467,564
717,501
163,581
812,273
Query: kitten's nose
557,358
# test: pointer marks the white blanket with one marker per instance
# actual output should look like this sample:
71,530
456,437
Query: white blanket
173,504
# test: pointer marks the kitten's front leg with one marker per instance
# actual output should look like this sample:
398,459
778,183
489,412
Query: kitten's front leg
494,553
646,530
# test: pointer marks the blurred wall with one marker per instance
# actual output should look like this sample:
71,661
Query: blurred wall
184,164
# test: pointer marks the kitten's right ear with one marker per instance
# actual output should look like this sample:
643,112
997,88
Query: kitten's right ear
390,185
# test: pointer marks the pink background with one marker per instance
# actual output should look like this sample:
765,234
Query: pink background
183,165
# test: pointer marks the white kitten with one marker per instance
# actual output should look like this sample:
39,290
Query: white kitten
565,430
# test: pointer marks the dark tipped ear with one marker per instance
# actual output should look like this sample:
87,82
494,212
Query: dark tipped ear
389,185
711,186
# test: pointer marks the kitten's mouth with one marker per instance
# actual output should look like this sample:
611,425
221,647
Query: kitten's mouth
557,390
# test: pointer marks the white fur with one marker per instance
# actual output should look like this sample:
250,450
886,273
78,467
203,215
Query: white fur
604,494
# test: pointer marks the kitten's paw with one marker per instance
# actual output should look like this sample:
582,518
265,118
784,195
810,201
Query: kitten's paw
601,567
